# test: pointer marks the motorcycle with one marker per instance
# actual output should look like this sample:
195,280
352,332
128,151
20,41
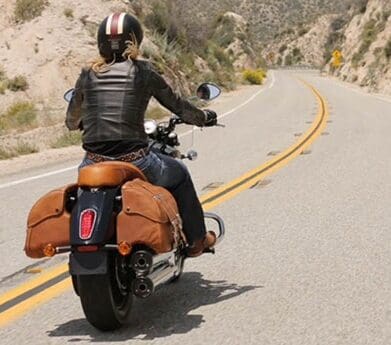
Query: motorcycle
124,235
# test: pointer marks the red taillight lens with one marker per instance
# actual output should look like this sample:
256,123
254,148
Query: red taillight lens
87,223
87,249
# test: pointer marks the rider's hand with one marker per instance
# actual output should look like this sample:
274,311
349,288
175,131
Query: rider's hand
211,118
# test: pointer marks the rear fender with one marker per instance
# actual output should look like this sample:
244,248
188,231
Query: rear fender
100,201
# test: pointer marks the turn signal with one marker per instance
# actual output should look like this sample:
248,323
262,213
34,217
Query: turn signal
124,248
49,250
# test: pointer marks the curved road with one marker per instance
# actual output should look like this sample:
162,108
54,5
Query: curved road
307,255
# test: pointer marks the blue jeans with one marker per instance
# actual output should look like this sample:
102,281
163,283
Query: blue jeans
169,173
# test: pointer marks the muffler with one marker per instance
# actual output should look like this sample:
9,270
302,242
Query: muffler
143,262
144,287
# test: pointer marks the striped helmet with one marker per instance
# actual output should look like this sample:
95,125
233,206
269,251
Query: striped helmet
114,32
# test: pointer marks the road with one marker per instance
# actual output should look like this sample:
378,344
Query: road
307,255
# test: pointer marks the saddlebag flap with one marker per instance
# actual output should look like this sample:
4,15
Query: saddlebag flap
149,217
49,222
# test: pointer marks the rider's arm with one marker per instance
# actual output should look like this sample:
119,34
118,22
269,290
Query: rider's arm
73,117
173,102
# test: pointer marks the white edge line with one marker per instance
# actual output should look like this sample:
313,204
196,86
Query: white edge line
28,179
56,172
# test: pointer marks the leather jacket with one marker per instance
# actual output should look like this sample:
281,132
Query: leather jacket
110,106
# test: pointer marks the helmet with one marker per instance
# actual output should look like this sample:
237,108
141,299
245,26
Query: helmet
114,32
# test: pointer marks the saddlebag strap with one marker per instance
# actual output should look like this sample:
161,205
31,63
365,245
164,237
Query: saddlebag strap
175,220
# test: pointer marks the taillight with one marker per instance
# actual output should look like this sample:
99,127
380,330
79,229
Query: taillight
87,223
87,249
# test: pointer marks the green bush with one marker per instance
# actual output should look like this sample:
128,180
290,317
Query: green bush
26,10
255,77
67,139
20,115
19,83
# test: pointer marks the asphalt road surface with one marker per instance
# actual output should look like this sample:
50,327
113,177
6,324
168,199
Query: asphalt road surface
307,256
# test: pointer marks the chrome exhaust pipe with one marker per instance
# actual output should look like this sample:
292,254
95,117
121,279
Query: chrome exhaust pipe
143,262
144,287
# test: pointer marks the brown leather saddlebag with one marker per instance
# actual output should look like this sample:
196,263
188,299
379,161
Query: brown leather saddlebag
49,222
149,217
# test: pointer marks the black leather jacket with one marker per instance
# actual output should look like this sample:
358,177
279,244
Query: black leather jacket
111,105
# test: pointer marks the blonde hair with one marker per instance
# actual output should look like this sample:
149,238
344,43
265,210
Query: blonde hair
132,51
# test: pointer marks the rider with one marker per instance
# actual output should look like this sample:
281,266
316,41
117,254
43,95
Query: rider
109,104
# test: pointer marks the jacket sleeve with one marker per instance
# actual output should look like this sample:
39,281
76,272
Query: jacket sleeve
173,102
74,112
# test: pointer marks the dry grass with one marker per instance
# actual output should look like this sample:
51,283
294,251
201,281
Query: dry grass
156,113
67,139
26,10
68,12
19,83
22,148
19,116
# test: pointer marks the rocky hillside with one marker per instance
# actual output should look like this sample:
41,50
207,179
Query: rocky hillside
362,34
267,18
44,44
366,46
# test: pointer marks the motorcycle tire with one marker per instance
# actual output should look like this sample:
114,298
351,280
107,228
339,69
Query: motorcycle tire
106,306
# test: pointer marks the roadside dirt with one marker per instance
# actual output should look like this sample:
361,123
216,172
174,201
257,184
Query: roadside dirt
51,156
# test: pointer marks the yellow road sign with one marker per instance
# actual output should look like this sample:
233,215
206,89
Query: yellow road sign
337,58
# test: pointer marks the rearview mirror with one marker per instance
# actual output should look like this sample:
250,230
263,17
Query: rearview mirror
69,95
208,91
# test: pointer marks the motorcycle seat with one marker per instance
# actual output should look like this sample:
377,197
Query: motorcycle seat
108,174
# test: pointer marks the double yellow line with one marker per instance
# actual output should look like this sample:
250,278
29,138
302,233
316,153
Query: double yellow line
54,282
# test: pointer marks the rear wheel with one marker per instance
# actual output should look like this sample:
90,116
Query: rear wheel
107,299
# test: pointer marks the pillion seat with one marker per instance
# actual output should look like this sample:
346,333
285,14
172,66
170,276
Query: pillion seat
108,174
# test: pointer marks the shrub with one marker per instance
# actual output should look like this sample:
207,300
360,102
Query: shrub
163,20
23,148
288,61
20,115
368,36
294,57
158,19
254,76
338,23
26,10
3,74
68,12
303,31
387,49
168,50
156,113
222,57
67,139
19,83
6,154
282,48
3,86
